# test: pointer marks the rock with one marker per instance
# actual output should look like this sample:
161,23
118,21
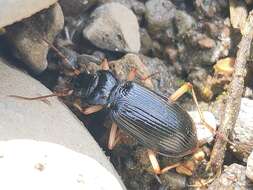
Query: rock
137,6
146,42
123,66
44,165
15,10
113,27
76,7
27,37
173,181
242,134
184,23
47,121
238,13
204,134
159,15
165,80
249,169
233,177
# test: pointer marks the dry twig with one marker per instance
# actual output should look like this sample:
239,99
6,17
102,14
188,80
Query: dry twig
233,100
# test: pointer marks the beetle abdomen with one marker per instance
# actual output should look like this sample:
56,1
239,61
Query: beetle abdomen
159,125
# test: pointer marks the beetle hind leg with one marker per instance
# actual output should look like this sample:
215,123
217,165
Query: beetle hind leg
113,137
156,166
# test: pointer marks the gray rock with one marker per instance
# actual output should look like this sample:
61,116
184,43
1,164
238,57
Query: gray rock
15,10
27,37
137,6
146,42
76,7
37,120
159,15
242,135
249,169
233,177
184,23
165,80
113,27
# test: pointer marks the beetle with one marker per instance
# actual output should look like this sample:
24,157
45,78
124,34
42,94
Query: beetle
155,121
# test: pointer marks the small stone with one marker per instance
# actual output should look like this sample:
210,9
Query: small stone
173,181
75,7
203,133
206,43
233,177
242,134
15,10
146,42
159,15
123,66
113,27
27,37
184,23
249,169
238,13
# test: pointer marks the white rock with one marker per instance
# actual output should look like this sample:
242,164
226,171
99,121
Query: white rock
114,27
15,10
203,133
242,134
249,169
29,164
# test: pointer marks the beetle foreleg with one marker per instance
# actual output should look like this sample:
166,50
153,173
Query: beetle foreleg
88,110
113,138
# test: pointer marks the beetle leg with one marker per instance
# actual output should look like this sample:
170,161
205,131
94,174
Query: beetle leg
88,110
105,65
154,162
156,166
132,74
186,88
113,138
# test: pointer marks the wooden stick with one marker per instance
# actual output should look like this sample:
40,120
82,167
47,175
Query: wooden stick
233,100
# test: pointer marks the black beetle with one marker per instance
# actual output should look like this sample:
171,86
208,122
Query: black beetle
160,125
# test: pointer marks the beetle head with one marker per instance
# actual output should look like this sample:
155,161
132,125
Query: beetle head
96,88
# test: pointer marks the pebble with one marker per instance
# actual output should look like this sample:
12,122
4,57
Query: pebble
27,37
113,27
203,133
242,134
159,15
15,10
249,169
233,177
76,7
184,22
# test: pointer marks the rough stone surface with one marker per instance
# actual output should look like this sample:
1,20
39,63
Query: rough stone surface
75,7
159,14
43,165
242,135
27,37
249,169
49,121
113,27
165,80
233,178
12,11
123,66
